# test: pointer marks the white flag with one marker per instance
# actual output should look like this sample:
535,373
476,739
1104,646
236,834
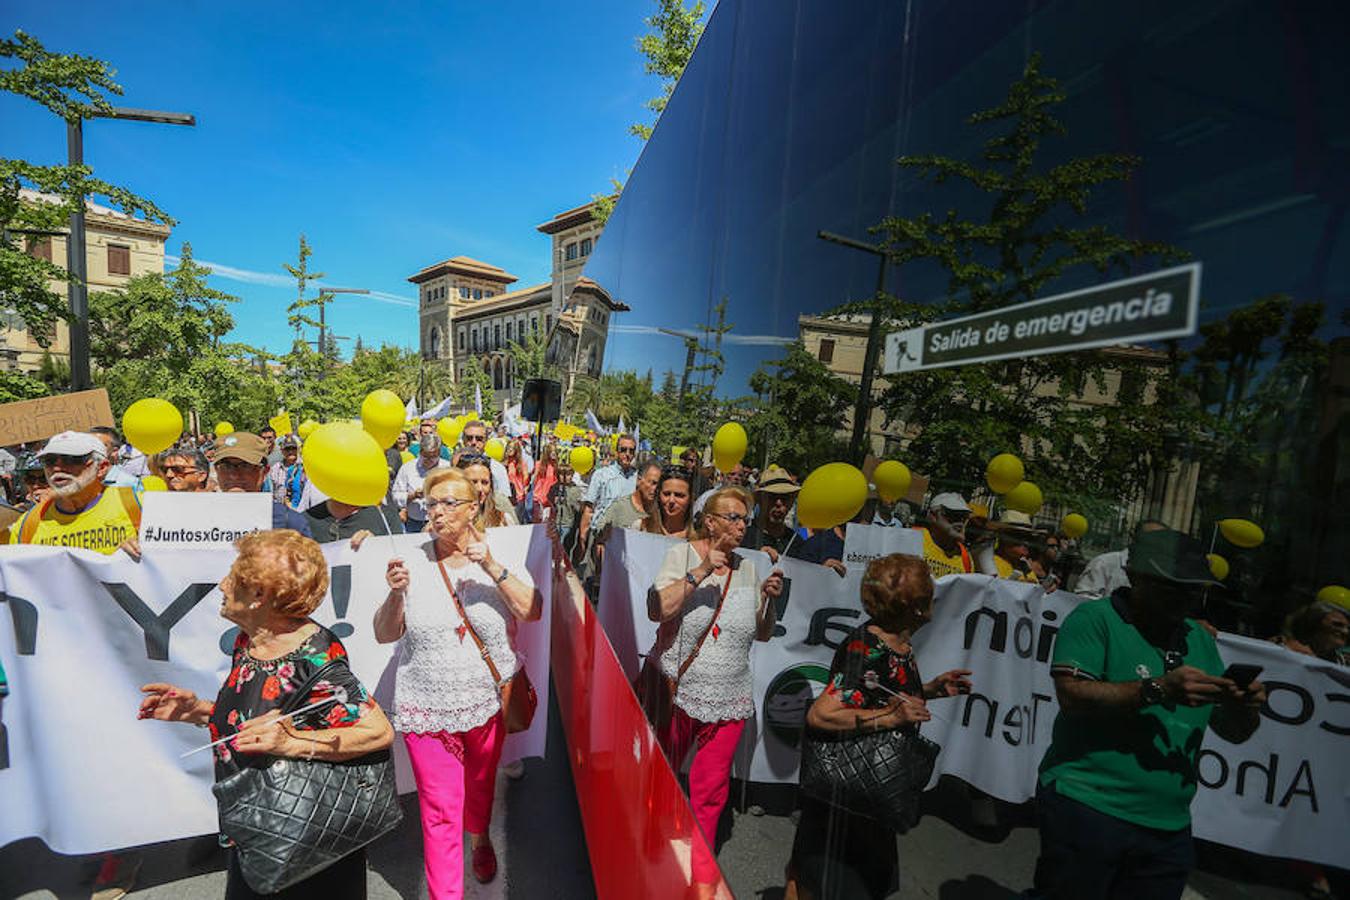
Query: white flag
410,411
478,399
622,428
439,411
594,424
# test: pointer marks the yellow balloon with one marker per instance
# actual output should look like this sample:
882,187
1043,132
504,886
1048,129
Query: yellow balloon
449,430
1073,526
892,480
405,455
980,510
1003,473
496,448
281,423
153,483
1024,497
729,446
582,459
152,425
382,416
347,463
1241,533
1336,595
831,495
1218,566
306,429
223,428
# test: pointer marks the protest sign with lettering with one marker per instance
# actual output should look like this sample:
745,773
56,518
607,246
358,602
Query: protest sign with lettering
80,632
1283,792
864,543
37,420
183,519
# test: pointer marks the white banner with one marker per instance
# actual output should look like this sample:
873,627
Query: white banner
864,543
200,519
84,631
1284,792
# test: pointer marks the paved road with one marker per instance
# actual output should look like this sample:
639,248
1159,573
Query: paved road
943,859
536,828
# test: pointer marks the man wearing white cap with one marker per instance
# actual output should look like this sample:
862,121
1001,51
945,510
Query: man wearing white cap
943,538
80,510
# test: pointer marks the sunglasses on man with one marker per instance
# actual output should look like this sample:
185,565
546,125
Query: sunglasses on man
475,439
66,461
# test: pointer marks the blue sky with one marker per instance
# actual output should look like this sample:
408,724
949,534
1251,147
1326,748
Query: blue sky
392,135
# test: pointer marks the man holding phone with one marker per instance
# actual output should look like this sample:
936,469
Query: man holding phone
1138,682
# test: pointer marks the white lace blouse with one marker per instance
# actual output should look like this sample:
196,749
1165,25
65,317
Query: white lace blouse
717,687
443,684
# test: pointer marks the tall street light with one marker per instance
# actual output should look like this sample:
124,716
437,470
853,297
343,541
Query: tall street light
76,264
863,410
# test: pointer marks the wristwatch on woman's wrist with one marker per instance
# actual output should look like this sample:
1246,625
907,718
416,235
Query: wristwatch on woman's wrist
692,578
1151,692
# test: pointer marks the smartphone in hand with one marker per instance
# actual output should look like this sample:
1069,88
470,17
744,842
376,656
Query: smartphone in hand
1242,674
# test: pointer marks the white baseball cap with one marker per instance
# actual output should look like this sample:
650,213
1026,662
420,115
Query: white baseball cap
951,501
74,443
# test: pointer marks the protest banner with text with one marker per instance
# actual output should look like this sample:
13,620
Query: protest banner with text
81,632
1284,792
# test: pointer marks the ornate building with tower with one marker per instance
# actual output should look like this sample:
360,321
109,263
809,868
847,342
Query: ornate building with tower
469,312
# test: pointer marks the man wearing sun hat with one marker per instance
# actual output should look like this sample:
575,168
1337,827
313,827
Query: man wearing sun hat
774,496
80,511
1138,682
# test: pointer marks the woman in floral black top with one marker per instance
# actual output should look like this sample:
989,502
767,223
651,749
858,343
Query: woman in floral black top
874,685
278,579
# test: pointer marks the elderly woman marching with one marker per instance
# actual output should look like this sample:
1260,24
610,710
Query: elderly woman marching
277,581
445,701
711,605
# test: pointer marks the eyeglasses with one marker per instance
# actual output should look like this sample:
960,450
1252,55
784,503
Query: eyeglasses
451,504
472,459
675,472
181,470
475,439
236,465
62,459
627,450
733,518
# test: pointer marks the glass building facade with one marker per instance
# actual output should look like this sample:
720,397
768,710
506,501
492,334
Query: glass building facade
1235,122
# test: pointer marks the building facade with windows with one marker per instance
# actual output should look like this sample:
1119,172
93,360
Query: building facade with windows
470,313
118,247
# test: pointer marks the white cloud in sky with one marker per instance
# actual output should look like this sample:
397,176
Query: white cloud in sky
756,340
273,279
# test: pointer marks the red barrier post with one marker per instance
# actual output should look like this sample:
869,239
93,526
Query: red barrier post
640,831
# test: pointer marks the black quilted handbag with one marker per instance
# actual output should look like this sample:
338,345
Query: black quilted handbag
292,818
875,774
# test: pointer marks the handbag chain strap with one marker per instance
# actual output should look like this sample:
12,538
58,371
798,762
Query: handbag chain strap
459,607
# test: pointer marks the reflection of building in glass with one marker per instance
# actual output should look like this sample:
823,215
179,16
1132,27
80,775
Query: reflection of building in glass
117,248
839,342
469,314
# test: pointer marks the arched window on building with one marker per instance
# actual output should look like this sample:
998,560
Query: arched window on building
591,365
496,337
497,375
461,337
434,343
508,332
586,246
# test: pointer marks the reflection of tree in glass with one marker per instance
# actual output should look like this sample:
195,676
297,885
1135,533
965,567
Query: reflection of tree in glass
800,421
1008,248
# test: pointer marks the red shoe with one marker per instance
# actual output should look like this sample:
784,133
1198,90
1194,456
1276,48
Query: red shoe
484,863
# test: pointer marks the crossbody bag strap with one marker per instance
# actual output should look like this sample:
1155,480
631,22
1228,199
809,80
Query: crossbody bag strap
459,607
726,586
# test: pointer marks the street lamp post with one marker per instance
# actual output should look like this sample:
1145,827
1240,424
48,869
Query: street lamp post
76,264
863,410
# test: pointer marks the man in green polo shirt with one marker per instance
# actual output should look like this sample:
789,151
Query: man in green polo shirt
1138,682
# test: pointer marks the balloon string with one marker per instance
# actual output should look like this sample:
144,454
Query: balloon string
388,529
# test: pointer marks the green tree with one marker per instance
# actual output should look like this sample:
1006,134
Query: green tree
1022,241
529,357
164,335
74,88
799,421
666,50
475,376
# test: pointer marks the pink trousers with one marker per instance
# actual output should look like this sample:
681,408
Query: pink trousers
709,776
456,777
